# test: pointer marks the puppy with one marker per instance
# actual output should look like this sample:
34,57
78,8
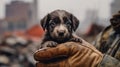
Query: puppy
59,26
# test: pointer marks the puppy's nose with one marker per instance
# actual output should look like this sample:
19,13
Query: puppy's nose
61,33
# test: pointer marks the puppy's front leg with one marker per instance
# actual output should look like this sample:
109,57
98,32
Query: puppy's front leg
75,38
48,44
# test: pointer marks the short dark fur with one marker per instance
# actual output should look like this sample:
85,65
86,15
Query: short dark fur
59,26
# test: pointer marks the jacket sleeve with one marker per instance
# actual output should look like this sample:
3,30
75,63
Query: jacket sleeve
109,61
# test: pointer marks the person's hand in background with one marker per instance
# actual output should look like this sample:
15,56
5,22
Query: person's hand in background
115,22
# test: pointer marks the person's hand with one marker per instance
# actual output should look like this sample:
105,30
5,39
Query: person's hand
68,54
115,21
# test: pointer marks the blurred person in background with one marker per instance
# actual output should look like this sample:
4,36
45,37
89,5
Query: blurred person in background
108,40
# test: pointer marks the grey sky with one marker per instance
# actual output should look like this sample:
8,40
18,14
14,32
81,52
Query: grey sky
77,7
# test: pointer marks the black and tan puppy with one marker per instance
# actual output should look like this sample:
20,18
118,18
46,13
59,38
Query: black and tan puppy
59,26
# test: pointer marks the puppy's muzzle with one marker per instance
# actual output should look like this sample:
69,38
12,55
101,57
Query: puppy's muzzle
61,33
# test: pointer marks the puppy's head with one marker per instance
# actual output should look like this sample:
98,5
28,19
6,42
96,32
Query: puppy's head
60,24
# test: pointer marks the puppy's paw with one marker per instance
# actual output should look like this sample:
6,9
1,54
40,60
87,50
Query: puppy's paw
50,44
76,40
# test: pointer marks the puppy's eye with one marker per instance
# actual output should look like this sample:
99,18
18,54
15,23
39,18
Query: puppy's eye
52,24
68,23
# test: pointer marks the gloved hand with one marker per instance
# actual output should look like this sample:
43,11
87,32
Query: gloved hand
69,54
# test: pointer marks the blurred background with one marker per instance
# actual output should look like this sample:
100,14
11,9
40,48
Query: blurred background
21,33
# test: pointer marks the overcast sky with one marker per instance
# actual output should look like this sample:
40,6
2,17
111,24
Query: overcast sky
77,7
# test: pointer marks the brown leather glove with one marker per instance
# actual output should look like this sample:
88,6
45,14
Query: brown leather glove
69,54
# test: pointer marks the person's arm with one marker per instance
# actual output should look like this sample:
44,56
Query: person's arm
108,61
73,54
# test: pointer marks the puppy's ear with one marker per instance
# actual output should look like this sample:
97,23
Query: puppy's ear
75,22
44,22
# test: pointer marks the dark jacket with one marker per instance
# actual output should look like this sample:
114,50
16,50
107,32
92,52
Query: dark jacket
108,42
